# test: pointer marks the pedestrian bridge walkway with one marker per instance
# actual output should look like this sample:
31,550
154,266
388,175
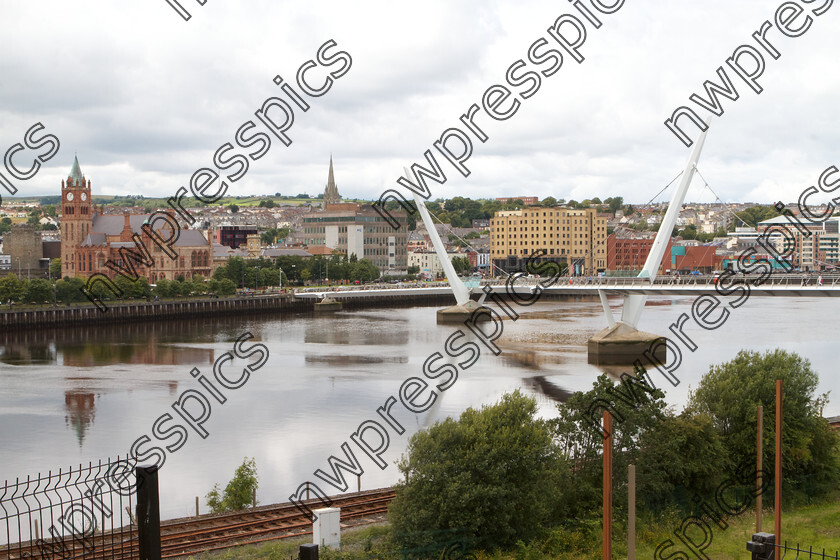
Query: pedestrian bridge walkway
787,285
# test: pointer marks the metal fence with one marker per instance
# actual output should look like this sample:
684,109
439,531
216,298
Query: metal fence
785,552
84,512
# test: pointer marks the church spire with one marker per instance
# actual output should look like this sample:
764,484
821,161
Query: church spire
331,195
76,171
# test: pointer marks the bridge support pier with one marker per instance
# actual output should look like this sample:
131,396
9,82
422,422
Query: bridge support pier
621,344
327,305
460,313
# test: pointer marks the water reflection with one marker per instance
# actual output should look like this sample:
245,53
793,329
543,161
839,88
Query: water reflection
137,343
80,412
541,384
28,354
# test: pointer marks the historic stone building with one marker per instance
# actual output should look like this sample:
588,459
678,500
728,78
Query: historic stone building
24,246
90,239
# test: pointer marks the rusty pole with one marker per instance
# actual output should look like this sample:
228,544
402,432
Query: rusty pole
606,546
778,497
631,512
759,462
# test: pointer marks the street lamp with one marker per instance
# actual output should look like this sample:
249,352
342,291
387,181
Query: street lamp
257,279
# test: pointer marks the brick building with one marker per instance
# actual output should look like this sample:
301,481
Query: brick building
628,254
234,236
90,239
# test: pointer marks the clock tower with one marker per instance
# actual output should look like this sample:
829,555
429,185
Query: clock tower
76,219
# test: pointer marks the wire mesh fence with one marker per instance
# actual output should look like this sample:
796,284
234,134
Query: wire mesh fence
79,512
785,552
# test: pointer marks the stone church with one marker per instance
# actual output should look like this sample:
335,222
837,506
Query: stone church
89,239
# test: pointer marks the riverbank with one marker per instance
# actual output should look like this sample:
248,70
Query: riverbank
29,317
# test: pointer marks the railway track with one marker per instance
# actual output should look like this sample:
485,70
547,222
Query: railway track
181,537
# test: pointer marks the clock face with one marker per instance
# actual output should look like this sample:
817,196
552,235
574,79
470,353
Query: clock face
69,196
84,196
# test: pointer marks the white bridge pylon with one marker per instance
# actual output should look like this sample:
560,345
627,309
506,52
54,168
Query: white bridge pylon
634,303
459,289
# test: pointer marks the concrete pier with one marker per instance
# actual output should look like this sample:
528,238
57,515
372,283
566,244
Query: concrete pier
461,313
327,305
622,344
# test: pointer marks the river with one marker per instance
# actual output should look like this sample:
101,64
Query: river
73,396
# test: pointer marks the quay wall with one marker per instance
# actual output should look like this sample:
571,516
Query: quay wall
122,312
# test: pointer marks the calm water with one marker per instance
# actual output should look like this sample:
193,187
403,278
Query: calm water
74,396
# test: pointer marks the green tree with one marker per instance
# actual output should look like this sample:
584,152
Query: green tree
239,492
163,288
731,392
493,473
12,288
578,433
614,203
199,285
68,290
548,202
269,277
461,264
234,208
681,455
55,268
226,287
39,291
756,214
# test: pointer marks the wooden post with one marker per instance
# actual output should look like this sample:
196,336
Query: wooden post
631,512
758,464
360,483
196,506
37,536
778,497
606,544
307,489
254,498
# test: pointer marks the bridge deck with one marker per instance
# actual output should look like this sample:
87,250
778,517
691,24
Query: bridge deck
779,288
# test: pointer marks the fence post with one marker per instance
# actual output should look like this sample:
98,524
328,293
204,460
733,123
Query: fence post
148,513
760,464
631,512
606,538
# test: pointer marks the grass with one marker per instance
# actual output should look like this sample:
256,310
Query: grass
356,543
816,525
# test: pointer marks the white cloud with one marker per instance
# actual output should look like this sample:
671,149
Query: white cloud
146,98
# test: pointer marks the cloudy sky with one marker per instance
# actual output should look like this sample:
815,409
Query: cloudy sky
145,98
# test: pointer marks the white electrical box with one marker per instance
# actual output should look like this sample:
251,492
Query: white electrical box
326,530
